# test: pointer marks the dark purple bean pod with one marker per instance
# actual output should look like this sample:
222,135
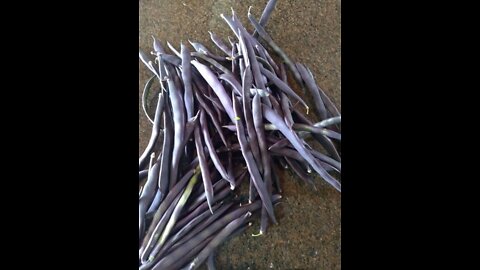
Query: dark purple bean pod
155,203
265,156
188,223
266,14
287,113
215,176
261,31
187,80
279,144
207,181
283,86
203,205
216,214
298,170
259,49
176,74
218,111
310,129
267,65
217,87
328,145
211,61
316,130
329,165
177,103
287,152
201,196
242,51
211,149
200,83
233,26
218,239
163,208
171,59
146,198
202,225
220,44
247,112
176,263
199,47
202,232
283,73
332,109
174,216
150,242
275,105
251,165
190,126
275,119
182,227
312,87
267,56
217,104
210,113
230,79
327,159
324,141
165,165
252,59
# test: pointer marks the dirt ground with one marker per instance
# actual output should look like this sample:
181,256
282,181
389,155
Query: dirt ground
309,230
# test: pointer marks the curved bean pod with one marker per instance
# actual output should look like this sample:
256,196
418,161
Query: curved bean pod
217,87
283,86
329,122
312,87
187,80
218,239
222,46
210,113
276,48
179,129
207,181
275,119
252,168
266,14
213,154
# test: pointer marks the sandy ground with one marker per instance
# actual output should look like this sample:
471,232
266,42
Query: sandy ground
308,233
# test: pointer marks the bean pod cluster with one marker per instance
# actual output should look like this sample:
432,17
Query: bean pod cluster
223,122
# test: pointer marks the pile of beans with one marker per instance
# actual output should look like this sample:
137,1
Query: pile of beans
222,122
